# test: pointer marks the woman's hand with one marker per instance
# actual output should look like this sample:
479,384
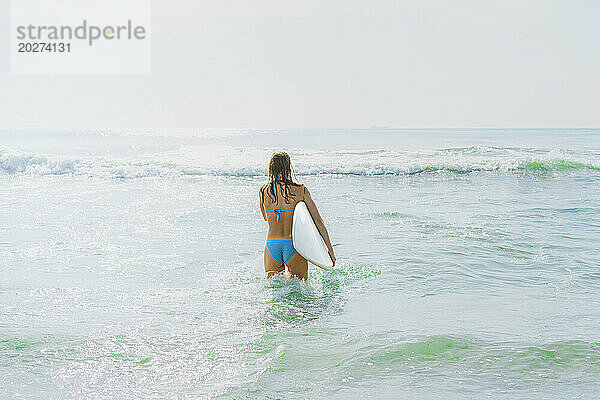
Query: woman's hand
332,256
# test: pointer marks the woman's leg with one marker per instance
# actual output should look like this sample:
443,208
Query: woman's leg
298,266
271,266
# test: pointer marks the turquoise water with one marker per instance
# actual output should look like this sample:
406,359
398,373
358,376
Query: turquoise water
468,266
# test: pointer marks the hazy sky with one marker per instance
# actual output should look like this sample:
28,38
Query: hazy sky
348,63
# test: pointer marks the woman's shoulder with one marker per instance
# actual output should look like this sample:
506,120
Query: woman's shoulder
299,189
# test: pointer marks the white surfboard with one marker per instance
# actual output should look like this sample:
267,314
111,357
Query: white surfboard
307,239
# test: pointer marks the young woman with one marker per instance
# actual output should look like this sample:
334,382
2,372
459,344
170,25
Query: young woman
277,201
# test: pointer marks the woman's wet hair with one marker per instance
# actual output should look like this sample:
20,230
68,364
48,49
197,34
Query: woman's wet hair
280,173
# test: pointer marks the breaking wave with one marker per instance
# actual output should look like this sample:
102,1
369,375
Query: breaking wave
229,161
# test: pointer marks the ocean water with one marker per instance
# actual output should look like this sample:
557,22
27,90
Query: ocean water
468,266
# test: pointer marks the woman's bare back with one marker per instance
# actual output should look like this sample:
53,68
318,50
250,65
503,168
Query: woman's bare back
279,214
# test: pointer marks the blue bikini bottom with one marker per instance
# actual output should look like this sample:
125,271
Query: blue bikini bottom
282,250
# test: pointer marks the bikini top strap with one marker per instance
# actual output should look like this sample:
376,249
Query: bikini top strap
278,211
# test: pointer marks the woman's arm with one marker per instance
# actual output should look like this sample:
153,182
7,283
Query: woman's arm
262,205
314,213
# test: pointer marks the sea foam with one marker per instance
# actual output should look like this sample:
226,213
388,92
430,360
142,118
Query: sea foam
231,161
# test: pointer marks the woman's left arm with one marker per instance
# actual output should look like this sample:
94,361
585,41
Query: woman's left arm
262,205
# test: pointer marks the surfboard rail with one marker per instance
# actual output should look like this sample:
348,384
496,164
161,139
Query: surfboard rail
307,240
